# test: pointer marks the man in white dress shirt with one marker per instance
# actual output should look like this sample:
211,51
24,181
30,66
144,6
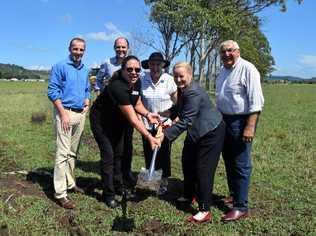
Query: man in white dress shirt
239,98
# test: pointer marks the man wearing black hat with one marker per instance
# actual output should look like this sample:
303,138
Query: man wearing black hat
159,93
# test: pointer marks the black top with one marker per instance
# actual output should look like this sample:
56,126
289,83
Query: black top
115,94
196,113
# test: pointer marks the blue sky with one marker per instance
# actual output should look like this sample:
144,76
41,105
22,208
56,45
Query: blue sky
35,33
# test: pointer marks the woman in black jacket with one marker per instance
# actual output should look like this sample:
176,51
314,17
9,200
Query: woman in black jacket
203,143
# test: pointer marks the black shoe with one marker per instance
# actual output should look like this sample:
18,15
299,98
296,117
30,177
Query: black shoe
111,202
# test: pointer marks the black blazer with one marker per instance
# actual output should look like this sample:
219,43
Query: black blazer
196,114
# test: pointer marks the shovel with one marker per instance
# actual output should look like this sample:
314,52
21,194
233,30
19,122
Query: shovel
150,179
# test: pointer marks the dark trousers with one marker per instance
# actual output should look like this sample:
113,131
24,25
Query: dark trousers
163,156
237,158
199,162
127,154
111,151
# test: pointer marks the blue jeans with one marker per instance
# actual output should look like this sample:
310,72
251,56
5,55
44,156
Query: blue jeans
237,158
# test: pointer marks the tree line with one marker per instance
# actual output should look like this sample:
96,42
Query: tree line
197,28
9,71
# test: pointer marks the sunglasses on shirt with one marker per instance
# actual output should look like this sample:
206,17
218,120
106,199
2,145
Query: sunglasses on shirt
131,69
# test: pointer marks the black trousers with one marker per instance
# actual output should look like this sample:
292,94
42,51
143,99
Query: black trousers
127,152
111,152
163,156
199,162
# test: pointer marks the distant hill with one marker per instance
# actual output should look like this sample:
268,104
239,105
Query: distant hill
291,79
8,71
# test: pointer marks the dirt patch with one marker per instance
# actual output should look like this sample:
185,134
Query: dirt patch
4,231
12,184
155,227
38,117
69,221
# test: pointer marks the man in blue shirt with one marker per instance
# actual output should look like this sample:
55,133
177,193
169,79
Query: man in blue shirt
69,91
121,46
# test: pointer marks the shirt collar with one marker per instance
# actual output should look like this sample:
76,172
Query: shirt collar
236,63
113,61
70,62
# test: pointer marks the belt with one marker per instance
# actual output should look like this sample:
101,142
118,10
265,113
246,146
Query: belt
77,110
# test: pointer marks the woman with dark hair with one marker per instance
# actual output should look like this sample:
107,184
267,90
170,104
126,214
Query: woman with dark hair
203,143
114,109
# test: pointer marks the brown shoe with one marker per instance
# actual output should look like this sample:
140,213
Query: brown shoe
234,214
76,189
65,203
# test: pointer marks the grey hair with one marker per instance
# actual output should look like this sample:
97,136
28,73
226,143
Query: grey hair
229,42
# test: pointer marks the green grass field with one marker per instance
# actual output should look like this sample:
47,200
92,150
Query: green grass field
282,194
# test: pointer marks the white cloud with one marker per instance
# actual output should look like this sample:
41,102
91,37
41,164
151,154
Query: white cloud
38,67
308,60
111,27
110,34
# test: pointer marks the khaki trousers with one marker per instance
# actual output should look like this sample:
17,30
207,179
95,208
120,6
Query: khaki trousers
67,145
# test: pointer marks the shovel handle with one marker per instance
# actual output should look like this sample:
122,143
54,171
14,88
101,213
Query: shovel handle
153,159
152,165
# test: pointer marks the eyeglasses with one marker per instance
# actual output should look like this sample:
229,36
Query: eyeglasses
131,69
228,50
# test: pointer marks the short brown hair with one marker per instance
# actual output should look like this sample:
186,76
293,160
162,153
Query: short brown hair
76,39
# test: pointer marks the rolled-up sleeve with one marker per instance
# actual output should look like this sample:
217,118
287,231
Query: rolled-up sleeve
254,91
55,84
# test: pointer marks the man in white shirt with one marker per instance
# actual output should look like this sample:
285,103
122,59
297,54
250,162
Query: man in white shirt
239,98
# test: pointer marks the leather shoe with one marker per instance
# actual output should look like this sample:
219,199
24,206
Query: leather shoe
206,218
76,189
111,203
234,215
65,203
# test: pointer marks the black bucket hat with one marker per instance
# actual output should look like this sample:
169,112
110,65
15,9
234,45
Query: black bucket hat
155,56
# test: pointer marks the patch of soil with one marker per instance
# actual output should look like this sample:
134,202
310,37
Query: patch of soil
4,231
11,184
155,227
38,118
68,221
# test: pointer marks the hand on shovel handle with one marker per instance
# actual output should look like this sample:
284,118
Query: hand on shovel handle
160,134
154,142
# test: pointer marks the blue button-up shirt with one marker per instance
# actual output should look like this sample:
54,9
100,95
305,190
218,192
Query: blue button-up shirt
69,83
105,73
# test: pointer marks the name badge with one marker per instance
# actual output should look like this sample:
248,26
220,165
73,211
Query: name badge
135,92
